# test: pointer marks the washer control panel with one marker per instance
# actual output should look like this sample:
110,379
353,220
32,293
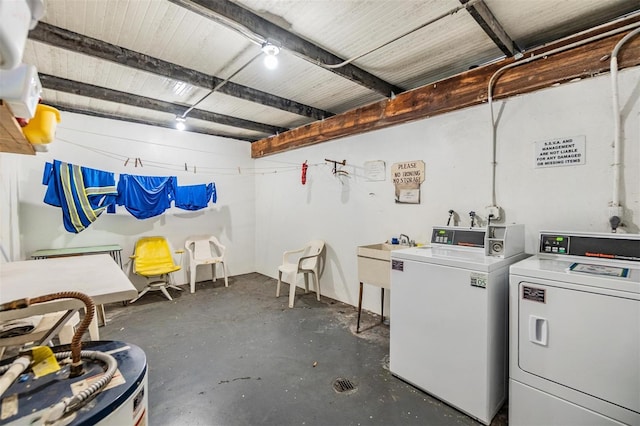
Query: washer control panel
463,237
556,244
494,240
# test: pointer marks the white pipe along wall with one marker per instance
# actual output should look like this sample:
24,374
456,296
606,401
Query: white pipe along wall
348,211
617,210
493,208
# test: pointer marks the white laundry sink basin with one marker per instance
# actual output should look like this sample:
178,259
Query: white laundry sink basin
374,263
380,251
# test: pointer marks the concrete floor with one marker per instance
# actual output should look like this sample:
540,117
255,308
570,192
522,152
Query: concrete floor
240,356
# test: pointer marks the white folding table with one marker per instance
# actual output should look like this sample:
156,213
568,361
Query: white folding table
98,276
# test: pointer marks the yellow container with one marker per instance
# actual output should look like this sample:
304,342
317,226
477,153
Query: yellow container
42,127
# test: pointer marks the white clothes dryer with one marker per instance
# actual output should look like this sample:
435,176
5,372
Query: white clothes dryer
575,332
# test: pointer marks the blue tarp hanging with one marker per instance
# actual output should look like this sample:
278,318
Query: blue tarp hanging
145,196
81,192
194,197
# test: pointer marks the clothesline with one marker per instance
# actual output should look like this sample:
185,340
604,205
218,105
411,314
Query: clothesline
228,171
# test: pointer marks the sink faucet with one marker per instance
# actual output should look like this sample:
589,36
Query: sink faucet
404,240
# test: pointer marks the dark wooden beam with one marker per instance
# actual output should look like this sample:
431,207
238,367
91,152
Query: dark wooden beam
465,90
488,22
148,122
269,31
65,39
102,93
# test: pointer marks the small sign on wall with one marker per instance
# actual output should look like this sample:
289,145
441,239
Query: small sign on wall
560,152
374,170
407,177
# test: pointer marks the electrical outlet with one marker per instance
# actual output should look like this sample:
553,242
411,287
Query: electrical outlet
493,210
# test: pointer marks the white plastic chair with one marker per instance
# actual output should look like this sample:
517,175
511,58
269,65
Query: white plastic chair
305,260
205,250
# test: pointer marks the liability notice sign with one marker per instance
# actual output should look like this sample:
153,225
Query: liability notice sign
560,152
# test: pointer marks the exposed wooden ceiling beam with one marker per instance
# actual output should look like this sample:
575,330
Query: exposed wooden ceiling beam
65,39
466,89
485,18
148,122
102,93
289,41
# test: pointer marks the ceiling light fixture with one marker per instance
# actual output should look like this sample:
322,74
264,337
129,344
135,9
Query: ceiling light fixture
270,59
180,123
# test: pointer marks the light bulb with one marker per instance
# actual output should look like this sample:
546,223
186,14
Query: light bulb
271,62
180,123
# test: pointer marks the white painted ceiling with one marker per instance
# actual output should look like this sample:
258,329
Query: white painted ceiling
170,30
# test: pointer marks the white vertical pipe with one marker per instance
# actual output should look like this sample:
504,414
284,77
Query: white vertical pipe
495,75
617,131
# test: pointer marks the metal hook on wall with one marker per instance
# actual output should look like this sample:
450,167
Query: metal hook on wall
335,170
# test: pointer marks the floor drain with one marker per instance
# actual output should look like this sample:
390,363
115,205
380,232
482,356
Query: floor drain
343,385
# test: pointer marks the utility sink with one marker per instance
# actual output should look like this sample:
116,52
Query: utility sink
374,263
380,251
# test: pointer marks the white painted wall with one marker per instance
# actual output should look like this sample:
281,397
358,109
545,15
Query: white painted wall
347,212
105,144
258,217
9,220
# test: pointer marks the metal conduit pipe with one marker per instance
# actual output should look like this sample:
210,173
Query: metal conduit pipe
67,405
617,151
426,24
222,83
526,61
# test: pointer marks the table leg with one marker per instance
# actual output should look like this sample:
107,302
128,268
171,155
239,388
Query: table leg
359,309
94,334
102,318
382,305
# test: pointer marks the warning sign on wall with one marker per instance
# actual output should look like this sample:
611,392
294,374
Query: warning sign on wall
407,177
560,152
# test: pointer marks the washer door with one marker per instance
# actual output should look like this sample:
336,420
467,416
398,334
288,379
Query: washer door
589,342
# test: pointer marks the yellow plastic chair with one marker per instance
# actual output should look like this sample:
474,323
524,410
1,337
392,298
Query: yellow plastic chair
153,260
205,250
305,261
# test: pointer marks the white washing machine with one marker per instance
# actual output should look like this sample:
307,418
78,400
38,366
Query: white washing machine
575,332
449,315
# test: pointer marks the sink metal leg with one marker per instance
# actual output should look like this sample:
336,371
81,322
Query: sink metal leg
382,305
359,308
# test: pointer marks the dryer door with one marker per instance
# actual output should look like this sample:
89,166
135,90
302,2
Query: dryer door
586,341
